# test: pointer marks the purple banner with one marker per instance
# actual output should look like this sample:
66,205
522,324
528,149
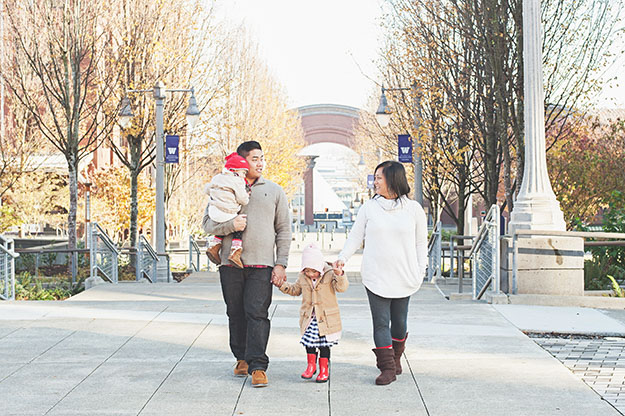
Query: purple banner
404,148
171,149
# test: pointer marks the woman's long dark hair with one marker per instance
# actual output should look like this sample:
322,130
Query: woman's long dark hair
395,176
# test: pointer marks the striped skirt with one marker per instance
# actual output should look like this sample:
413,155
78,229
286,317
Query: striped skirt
312,339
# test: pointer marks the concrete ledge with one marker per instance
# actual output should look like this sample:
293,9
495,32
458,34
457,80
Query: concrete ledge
93,281
460,296
498,299
606,293
602,302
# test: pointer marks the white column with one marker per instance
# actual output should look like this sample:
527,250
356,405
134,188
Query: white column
536,206
468,216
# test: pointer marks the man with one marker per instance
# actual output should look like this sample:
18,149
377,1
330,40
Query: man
266,226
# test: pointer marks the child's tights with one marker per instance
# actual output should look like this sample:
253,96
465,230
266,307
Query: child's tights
324,352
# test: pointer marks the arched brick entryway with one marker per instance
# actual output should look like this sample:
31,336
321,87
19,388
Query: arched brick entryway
325,123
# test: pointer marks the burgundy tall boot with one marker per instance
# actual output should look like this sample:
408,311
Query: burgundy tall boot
398,348
386,363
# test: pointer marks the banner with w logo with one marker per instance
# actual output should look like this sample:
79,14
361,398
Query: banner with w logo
404,148
171,149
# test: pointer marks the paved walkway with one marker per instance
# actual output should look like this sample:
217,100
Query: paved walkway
162,349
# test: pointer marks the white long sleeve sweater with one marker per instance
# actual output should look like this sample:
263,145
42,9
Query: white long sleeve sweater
395,255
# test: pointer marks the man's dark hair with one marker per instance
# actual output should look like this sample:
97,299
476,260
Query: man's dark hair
245,148
395,176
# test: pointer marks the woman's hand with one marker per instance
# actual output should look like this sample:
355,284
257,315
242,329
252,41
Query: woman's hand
337,267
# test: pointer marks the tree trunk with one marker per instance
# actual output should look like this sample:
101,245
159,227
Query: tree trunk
72,165
134,208
461,199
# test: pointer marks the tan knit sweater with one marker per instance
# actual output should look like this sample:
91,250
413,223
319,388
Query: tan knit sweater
267,236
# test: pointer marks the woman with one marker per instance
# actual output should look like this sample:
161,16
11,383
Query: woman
394,230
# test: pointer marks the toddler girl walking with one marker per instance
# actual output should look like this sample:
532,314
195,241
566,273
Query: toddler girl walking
320,319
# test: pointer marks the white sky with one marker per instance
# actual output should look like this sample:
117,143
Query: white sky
314,47
322,51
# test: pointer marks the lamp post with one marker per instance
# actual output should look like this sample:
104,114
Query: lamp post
125,116
309,215
536,206
383,115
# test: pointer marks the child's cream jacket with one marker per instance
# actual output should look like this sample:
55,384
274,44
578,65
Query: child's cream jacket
322,299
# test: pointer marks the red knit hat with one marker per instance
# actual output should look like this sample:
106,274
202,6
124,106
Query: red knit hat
236,161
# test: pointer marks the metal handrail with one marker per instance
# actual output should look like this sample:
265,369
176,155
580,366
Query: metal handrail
193,246
453,247
434,253
7,271
143,244
38,251
98,234
9,253
459,258
491,222
105,238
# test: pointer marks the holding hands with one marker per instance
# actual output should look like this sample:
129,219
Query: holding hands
337,267
278,275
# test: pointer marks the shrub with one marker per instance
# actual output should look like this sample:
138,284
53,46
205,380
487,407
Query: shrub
56,288
607,260
596,273
618,291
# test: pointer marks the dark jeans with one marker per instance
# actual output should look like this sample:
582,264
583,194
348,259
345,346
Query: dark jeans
247,293
385,311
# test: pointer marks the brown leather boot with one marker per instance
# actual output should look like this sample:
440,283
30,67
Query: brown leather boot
235,256
213,252
259,378
240,370
386,364
398,348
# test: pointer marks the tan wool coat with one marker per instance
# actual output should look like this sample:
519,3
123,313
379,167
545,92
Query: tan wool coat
227,192
322,299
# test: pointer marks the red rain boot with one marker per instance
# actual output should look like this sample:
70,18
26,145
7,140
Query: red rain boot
312,366
323,371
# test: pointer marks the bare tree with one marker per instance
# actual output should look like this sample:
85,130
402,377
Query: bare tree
17,146
467,57
57,75
147,53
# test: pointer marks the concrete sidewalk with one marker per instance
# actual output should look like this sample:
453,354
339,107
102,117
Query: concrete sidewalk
162,349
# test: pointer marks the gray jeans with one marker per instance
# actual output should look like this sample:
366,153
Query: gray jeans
390,317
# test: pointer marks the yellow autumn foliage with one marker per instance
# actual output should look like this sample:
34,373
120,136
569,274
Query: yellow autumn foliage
110,201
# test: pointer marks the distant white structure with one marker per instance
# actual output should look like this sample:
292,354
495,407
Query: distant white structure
324,196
